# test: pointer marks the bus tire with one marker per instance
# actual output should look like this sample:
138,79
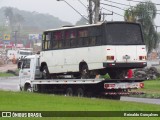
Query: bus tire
45,73
84,72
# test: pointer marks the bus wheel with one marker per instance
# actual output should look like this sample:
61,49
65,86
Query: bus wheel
80,92
69,92
45,73
84,72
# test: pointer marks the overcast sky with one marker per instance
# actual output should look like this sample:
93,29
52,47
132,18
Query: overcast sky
65,12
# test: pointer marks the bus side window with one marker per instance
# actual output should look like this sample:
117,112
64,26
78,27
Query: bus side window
73,38
83,37
95,36
60,42
98,40
85,41
67,39
46,41
92,41
80,42
55,44
55,40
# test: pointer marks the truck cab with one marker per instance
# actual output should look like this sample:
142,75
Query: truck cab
29,70
23,53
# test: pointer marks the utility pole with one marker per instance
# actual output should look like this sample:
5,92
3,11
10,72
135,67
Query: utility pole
94,12
90,12
15,38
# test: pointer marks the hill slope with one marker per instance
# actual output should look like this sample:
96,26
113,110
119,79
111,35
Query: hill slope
34,19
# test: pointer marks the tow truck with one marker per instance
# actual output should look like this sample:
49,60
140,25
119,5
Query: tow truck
31,80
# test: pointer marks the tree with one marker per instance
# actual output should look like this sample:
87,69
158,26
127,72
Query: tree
9,14
18,20
145,13
130,15
15,20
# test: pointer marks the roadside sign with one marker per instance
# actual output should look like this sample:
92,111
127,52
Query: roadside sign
6,37
35,36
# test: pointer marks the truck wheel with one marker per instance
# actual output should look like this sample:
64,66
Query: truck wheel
29,89
84,72
45,73
80,92
69,92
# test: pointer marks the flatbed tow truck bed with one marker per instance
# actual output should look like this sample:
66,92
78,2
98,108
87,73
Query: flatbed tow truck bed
83,87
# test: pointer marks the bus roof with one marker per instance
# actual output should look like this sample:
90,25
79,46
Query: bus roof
64,28
81,26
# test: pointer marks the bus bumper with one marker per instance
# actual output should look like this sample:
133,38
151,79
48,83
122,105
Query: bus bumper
125,65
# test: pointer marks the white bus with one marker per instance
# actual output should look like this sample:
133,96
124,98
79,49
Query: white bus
84,51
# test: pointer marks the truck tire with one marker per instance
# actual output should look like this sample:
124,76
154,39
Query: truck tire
80,92
69,92
45,73
28,88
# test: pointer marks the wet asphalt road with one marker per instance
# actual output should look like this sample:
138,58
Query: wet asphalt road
141,100
12,84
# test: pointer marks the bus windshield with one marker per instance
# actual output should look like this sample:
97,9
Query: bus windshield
123,34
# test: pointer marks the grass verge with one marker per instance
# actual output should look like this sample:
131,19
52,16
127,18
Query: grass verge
22,101
151,88
6,74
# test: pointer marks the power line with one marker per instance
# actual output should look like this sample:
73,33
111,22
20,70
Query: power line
118,3
74,9
113,6
82,3
113,12
141,2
